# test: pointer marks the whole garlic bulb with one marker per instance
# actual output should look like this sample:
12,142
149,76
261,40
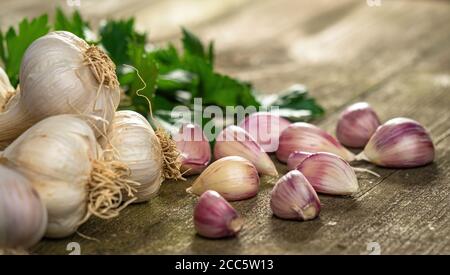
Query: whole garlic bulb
64,163
133,141
61,74
23,217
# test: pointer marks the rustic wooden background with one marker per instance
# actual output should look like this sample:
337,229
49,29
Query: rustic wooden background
395,56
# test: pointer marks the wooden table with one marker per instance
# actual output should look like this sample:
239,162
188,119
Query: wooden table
396,56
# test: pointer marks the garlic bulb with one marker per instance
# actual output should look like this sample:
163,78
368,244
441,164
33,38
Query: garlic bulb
23,217
6,90
235,141
133,142
296,158
293,197
265,128
302,136
399,143
356,125
235,178
214,217
194,149
64,163
61,74
329,174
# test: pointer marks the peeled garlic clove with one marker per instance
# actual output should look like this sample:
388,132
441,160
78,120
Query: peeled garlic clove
23,217
356,125
294,198
329,174
302,136
399,143
296,158
194,149
235,178
265,128
6,90
235,141
214,217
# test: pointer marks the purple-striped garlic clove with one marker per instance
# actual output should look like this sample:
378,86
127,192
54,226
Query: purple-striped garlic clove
399,143
294,198
302,136
329,174
235,141
194,149
266,128
215,218
234,177
295,158
356,125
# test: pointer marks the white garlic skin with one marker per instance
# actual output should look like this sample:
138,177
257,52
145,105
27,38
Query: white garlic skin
294,198
133,142
329,174
400,143
296,158
234,178
6,90
55,79
302,136
56,155
23,216
235,141
215,218
194,149
356,125
265,128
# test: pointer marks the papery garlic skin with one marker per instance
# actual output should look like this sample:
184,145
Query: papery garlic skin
295,158
57,76
133,142
400,143
265,128
214,217
235,141
194,149
63,161
356,125
234,177
23,217
6,90
294,198
329,174
302,136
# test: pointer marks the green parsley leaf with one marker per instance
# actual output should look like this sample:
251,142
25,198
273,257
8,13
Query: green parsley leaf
75,25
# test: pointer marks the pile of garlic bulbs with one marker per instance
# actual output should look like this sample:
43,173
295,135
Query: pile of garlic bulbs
67,154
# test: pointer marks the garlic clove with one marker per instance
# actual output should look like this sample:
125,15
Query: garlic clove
356,125
265,128
293,197
295,158
399,143
302,136
214,217
194,149
233,177
235,141
329,174
23,216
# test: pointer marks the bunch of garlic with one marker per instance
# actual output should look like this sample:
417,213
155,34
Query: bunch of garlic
60,74
62,159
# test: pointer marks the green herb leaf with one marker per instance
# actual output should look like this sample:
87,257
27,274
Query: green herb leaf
75,25
116,37
17,43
